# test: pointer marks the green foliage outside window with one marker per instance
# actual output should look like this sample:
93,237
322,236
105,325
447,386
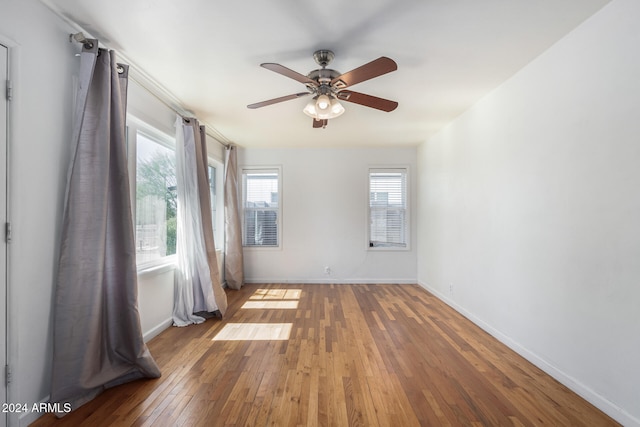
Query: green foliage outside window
156,183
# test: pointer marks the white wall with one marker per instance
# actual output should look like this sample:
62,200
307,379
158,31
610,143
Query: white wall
155,301
324,212
42,66
529,211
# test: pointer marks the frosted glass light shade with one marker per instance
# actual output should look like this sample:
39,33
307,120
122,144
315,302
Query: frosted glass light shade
310,109
332,110
336,108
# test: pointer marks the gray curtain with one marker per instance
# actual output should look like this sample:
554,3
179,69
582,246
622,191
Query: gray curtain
198,291
234,262
97,336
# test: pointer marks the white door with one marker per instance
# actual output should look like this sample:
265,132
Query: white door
4,61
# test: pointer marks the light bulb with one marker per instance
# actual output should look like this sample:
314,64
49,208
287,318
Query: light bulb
323,102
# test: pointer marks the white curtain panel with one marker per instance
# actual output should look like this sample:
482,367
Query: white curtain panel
97,336
233,260
198,292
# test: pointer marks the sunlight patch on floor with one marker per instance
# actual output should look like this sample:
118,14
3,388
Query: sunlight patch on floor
254,331
287,305
290,294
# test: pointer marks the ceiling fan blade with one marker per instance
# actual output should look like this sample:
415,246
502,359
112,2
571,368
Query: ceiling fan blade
276,100
375,68
320,123
280,69
367,100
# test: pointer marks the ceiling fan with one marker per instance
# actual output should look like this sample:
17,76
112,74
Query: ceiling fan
328,87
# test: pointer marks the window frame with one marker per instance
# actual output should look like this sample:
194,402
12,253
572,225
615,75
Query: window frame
135,126
265,168
407,226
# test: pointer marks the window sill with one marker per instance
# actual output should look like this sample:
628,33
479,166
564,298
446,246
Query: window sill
389,248
157,267
262,248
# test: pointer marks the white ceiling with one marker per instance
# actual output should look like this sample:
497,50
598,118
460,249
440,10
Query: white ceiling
207,54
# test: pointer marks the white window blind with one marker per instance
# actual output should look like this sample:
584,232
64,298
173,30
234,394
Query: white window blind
261,196
388,208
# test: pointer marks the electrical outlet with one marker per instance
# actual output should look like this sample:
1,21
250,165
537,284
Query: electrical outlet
451,288
327,271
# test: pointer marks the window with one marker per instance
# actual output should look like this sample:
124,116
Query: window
152,161
261,207
388,208
217,212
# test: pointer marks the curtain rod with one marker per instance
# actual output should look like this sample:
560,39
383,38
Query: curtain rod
183,113
88,44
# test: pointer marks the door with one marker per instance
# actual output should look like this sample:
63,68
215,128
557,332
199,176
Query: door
4,74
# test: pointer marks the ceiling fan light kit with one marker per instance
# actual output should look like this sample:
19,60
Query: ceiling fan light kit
320,108
328,86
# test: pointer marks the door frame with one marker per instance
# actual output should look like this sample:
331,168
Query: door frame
4,136
12,54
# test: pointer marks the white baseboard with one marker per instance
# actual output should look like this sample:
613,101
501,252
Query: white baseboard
157,329
335,281
29,417
582,390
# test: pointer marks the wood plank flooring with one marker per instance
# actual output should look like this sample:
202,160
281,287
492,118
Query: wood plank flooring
336,355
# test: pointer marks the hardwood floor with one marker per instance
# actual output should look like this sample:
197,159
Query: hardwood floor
319,355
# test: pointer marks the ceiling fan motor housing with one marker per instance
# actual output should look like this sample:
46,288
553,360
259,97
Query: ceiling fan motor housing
323,75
